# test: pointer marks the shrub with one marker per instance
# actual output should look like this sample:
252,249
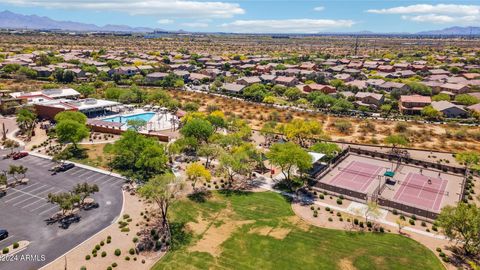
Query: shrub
441,254
438,249
97,247
411,221
434,228
127,258
327,209
117,252
114,264
5,250
312,207
321,196
414,217
16,245
83,268
102,243
87,257
340,219
369,224
109,240
143,260
131,251
330,219
339,214
315,213
446,259
402,217
361,224
395,212
109,268
424,224
125,229
355,221
135,239
382,230
104,253
339,201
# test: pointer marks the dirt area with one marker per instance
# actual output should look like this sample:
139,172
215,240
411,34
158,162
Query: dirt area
447,137
213,236
278,233
76,258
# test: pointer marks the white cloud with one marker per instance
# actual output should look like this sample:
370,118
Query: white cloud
172,8
165,21
195,24
430,9
319,8
441,13
435,18
286,26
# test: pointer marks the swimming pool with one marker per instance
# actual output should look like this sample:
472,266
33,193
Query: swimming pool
124,119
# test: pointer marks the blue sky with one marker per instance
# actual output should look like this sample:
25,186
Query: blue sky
286,16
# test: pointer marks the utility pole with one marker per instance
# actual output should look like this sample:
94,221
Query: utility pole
356,46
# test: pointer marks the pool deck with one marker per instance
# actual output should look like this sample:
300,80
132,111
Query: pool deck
159,121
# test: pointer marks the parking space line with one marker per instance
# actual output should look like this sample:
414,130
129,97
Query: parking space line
22,201
48,189
110,180
36,201
27,186
48,210
90,176
16,197
30,191
8,238
85,173
78,171
41,206
33,195
101,177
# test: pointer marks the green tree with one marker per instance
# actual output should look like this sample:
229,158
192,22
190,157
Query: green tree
26,120
138,157
209,152
136,124
396,140
293,93
255,92
468,159
420,88
330,150
197,128
441,97
289,156
466,99
70,131
85,89
163,190
197,171
13,170
431,113
461,223
64,200
83,190
71,115
300,130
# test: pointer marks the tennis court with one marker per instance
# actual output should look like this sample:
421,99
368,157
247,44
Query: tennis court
357,175
421,191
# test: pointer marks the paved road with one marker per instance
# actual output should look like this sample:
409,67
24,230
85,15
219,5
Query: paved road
24,209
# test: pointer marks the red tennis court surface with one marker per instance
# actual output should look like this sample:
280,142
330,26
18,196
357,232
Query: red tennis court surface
356,176
416,190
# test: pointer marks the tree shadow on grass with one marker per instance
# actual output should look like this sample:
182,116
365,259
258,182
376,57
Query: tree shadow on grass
234,192
200,196
180,236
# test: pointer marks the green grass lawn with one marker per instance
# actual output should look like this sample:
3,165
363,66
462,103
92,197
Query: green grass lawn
304,247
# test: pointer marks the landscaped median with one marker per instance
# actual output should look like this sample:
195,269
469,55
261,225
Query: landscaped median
15,247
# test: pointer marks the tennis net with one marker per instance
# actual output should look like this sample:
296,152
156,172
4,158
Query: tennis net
425,188
371,175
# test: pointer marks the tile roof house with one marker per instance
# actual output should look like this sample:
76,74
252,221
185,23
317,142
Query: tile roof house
368,99
248,80
360,84
413,104
155,77
455,88
233,88
475,108
286,81
449,109
327,89
390,86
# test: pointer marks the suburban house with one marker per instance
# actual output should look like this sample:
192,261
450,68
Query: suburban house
155,77
368,99
344,77
327,89
413,104
233,88
455,88
248,80
360,84
474,108
47,94
286,81
267,78
449,109
390,86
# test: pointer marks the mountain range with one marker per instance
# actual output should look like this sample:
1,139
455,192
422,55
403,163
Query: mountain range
10,20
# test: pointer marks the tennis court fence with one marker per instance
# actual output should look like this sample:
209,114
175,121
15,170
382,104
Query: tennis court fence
407,208
342,191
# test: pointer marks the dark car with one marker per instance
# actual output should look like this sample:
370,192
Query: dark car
3,234
62,167
19,155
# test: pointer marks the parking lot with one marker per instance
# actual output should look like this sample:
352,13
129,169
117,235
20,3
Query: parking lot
24,209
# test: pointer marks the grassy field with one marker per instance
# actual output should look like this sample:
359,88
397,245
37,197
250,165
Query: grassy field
260,231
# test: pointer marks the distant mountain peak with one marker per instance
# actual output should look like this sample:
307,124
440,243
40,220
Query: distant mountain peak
13,20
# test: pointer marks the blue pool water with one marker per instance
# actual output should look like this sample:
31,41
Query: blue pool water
124,119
